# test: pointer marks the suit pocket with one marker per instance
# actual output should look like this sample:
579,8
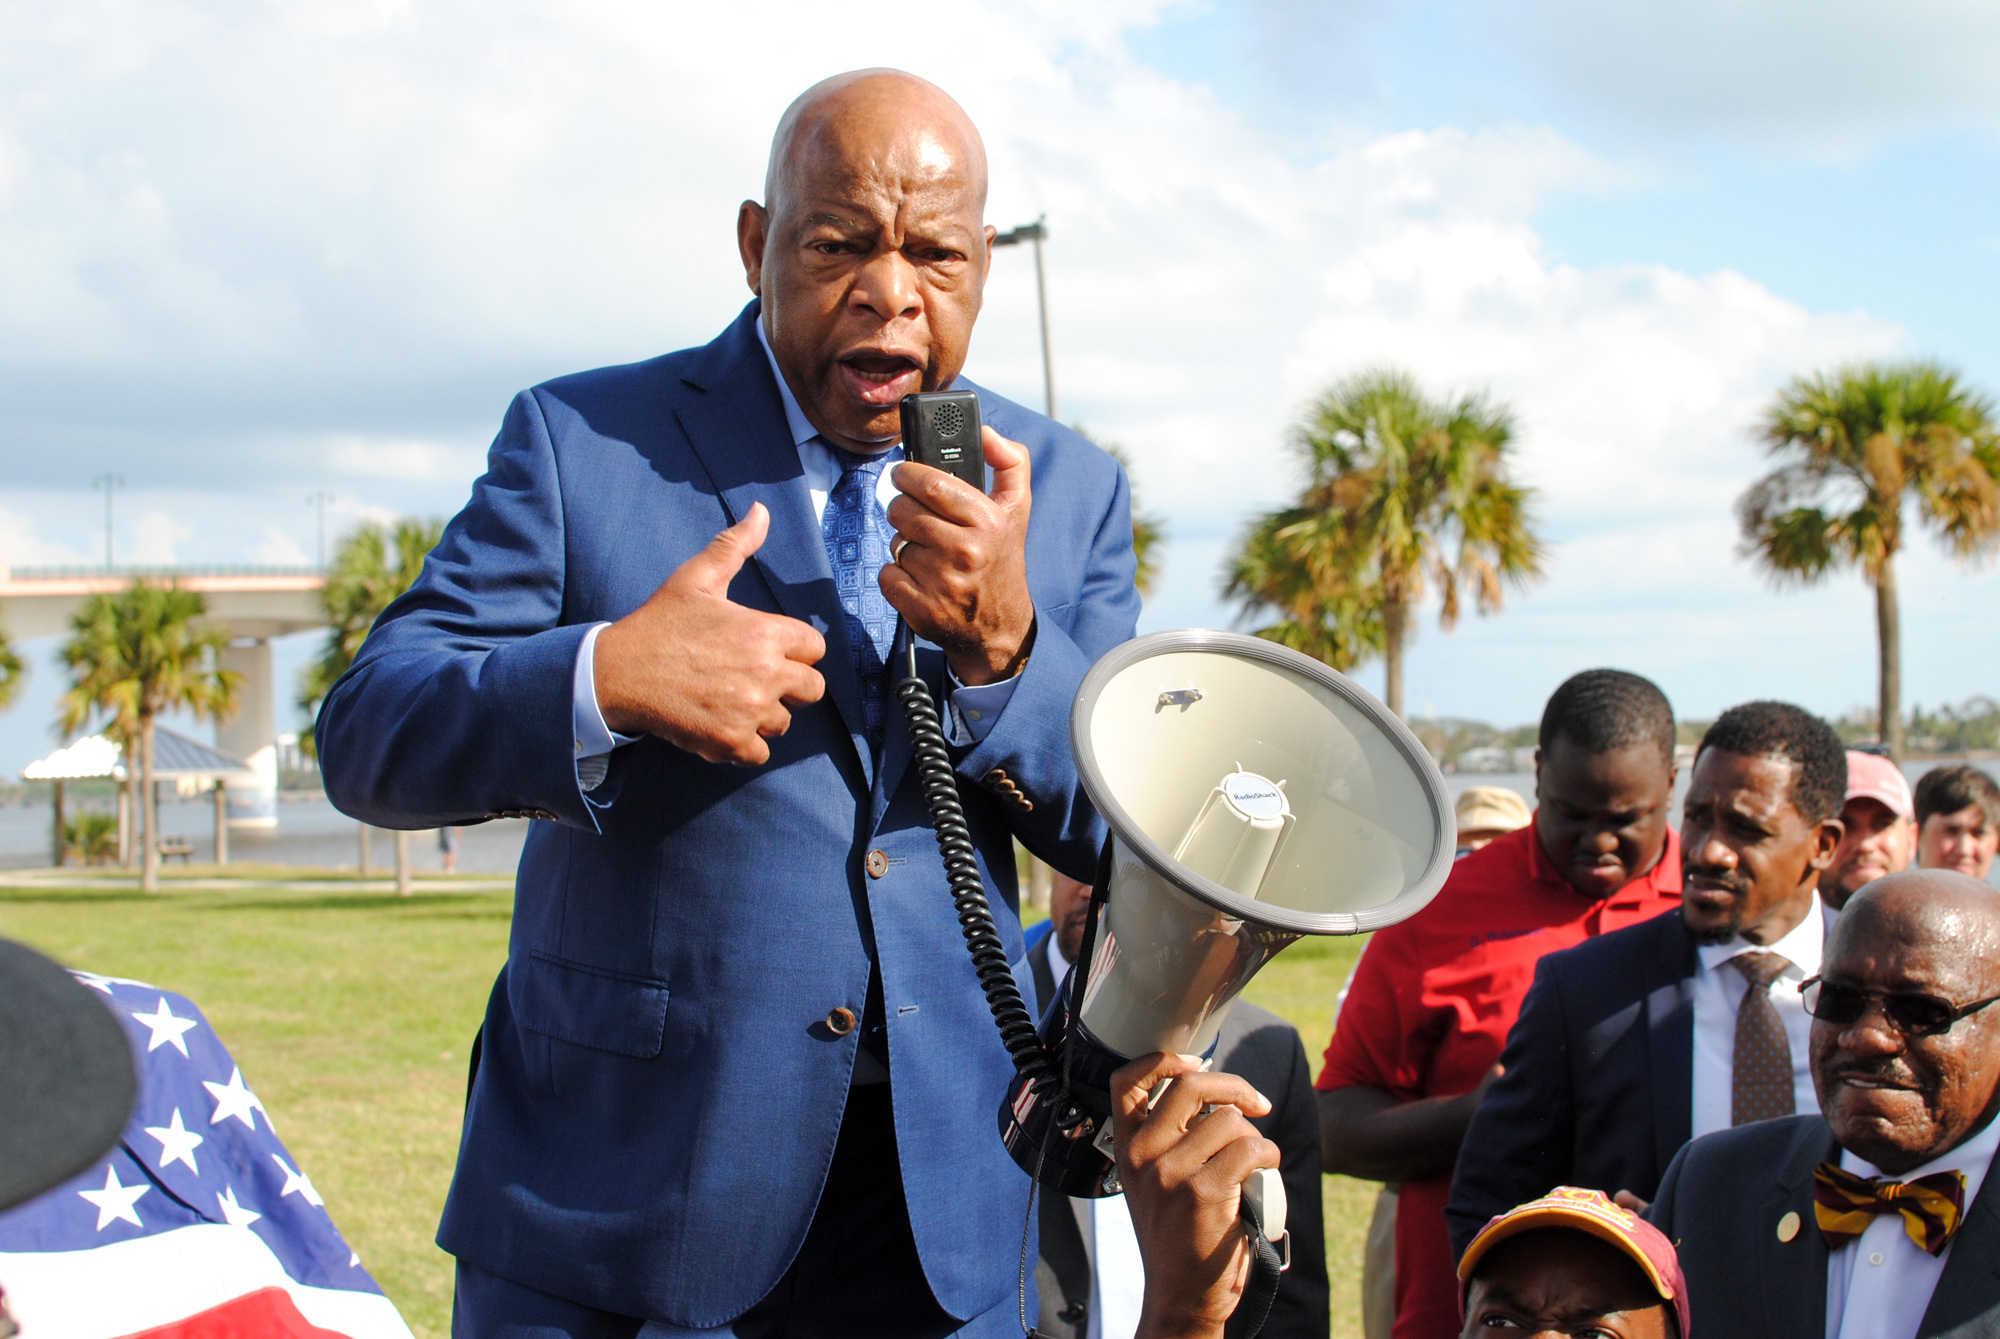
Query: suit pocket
588,1006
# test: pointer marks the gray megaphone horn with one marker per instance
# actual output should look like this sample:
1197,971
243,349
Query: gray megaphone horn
1253,796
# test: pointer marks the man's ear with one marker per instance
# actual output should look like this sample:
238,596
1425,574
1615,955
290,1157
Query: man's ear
752,224
1825,842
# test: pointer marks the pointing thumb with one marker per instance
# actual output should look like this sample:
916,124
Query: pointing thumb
723,557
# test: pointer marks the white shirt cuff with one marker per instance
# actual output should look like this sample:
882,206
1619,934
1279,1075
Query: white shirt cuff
594,739
975,707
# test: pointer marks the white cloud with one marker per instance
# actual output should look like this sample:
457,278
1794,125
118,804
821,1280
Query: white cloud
278,549
156,536
21,546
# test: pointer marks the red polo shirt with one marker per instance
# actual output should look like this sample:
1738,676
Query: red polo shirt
1429,1007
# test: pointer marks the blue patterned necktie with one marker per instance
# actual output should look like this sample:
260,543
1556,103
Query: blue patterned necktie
857,534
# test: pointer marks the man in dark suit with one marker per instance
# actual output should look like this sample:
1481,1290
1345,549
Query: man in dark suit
1630,1044
1255,1044
662,628
1877,1220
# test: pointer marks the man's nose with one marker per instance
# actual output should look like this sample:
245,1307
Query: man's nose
1872,1034
888,286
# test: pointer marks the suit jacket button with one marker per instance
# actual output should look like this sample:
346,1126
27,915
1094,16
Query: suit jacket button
878,863
840,1021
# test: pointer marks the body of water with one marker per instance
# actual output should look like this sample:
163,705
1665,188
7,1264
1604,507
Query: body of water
310,831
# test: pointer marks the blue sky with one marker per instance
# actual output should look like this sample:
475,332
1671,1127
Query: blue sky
256,252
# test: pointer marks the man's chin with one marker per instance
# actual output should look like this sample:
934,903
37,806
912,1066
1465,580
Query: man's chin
1711,925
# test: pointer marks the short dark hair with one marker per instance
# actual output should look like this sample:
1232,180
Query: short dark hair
1604,709
1946,790
1781,730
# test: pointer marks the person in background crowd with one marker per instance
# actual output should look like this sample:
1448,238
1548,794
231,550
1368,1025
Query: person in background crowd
1432,999
1573,1263
448,848
1488,812
1958,820
1880,834
1484,814
1631,1044
1089,1257
1878,1219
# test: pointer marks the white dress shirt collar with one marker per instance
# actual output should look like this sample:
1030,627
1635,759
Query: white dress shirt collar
1802,945
1879,1285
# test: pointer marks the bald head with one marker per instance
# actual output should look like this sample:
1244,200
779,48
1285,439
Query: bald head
1924,907
1905,1050
872,116
870,249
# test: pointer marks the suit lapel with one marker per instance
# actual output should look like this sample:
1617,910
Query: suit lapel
736,424
1670,1041
1791,1275
1967,1298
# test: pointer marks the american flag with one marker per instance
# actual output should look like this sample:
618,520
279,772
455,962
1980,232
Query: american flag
200,1224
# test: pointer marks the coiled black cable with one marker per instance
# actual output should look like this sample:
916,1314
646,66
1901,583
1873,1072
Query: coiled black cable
968,893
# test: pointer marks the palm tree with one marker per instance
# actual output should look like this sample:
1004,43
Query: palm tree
1850,444
1326,608
13,673
137,654
1404,494
373,566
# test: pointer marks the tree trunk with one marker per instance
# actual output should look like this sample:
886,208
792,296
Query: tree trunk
1395,616
363,828
221,824
125,820
149,853
402,863
1889,645
59,824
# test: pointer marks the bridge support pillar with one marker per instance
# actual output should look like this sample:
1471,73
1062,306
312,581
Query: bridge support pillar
252,736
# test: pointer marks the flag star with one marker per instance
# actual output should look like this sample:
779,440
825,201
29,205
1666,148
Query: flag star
177,1143
115,1201
297,1181
233,1213
167,1029
353,1259
98,981
233,1099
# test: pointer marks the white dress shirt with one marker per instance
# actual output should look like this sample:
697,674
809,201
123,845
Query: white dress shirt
974,708
1718,990
1878,1285
1117,1274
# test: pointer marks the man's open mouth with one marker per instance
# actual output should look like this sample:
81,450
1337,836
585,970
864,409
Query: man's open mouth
880,378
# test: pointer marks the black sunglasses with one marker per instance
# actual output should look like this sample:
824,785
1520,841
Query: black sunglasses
1914,1015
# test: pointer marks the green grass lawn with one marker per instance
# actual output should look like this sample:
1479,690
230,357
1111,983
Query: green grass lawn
350,1013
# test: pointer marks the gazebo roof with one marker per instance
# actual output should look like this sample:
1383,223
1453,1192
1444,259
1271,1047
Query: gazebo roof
174,756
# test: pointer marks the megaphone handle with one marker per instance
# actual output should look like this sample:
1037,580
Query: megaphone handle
1263,1193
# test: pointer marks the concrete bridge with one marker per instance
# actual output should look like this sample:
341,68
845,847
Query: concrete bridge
254,603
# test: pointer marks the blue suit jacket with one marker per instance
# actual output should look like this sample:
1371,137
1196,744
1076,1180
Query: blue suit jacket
1599,1084
657,1098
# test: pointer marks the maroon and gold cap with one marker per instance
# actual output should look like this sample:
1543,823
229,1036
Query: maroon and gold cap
1587,1211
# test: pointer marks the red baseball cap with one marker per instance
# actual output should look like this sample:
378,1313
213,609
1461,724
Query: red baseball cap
1586,1211
1871,776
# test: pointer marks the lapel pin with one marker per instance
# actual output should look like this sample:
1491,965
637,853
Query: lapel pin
1788,1226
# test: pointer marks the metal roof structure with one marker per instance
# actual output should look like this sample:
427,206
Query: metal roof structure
174,756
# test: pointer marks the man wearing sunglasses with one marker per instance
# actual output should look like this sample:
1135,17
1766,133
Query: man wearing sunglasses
1873,1220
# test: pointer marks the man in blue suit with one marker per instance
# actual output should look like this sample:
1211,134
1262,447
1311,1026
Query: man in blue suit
737,1076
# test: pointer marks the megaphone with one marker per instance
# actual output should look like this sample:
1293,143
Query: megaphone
1254,796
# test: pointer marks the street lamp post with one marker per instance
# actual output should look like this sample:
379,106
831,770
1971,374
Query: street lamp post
320,499
1037,232
109,483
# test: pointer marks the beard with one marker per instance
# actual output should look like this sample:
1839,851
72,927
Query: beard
1739,890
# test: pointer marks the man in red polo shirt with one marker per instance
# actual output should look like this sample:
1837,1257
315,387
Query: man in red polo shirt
1428,1011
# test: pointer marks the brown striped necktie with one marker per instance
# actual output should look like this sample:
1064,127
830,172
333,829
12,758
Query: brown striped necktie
1760,1068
